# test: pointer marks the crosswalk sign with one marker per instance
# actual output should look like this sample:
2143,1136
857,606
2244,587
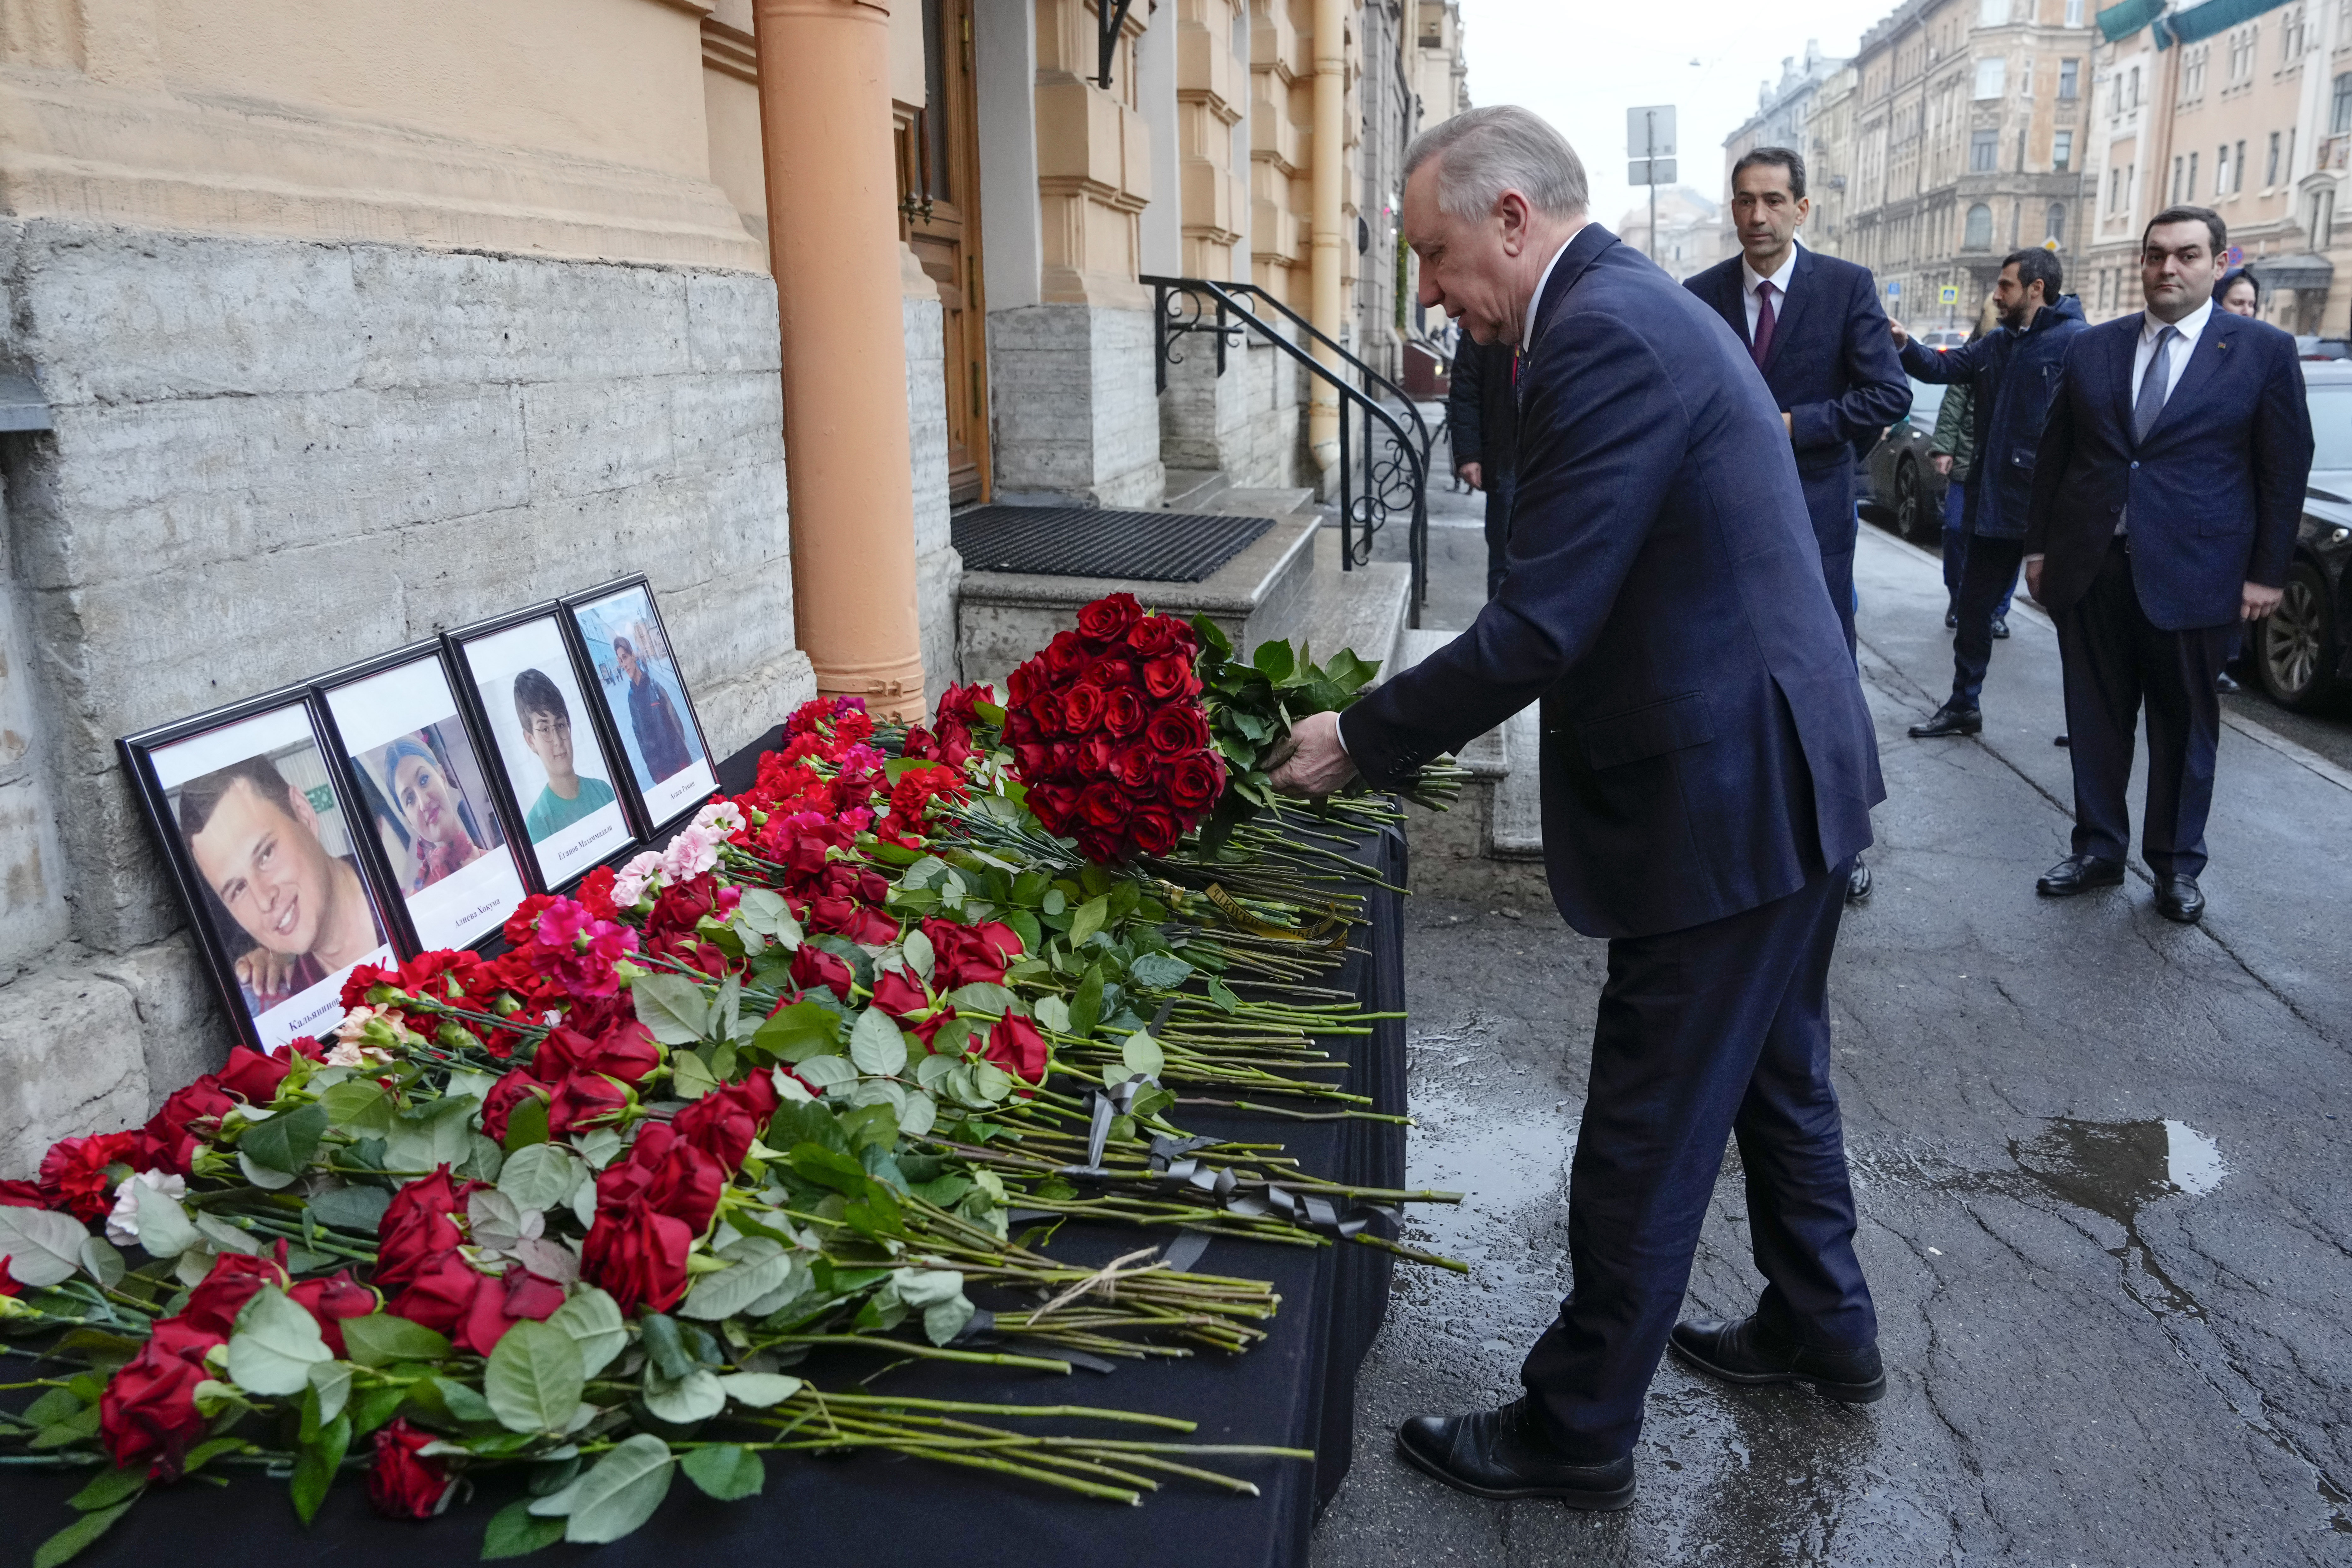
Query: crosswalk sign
1950,294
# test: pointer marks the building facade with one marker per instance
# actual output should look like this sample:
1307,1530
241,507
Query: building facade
1690,231
1971,125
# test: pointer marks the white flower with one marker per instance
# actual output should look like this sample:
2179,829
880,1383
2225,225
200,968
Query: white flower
346,1054
354,1026
122,1224
723,817
629,883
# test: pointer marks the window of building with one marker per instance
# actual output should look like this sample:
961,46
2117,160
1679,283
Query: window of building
2193,71
2323,217
2073,13
1992,78
2271,168
2062,152
2053,223
2114,187
2291,39
1980,230
2242,53
2135,88
2191,189
2178,165
2069,78
2238,179
2339,112
1991,12
2221,170
1984,152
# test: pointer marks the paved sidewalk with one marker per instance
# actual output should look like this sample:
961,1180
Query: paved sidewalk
2104,1171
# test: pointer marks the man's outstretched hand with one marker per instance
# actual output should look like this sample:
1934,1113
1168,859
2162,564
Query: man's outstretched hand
1315,763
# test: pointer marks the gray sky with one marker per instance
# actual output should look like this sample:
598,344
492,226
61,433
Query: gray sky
1582,65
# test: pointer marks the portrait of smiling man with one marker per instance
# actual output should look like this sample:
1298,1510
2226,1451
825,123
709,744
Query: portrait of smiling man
254,841
1709,767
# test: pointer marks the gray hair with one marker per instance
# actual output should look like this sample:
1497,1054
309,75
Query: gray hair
1501,148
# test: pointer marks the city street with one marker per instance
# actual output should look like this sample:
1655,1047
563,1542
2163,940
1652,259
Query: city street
2101,1159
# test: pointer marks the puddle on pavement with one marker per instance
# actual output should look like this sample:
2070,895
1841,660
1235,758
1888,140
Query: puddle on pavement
2117,1169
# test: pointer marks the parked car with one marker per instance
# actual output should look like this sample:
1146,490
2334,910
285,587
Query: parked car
1943,337
2316,348
2301,653
1901,489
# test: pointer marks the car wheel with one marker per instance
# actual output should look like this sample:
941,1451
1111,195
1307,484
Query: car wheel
1906,499
2295,646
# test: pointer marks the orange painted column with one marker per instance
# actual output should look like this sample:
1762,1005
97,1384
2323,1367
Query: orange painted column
833,243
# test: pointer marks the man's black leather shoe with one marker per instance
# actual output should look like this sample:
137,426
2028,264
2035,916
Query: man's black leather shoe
1505,1453
2226,684
2178,898
2001,628
1948,721
1741,1353
2079,874
1857,882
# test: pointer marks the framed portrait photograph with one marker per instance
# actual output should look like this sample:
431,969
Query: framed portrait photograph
554,762
421,793
265,846
643,697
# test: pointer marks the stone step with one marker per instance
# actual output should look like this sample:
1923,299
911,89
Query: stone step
1362,610
1257,502
1503,764
1192,490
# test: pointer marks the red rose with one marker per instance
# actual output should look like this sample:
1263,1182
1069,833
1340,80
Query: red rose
253,1075
723,1123
1019,686
1110,674
22,1195
584,1100
1110,618
148,1408
500,1304
1176,729
1014,1045
235,1279
1124,713
404,1484
78,1174
1082,709
813,967
1136,768
1194,783
505,1095
1154,830
687,1186
900,995
1044,713
333,1300
1066,655
1032,758
440,1294
638,1255
970,954
1154,635
1101,846
168,1141
1092,756
1170,678
418,1225
1102,805
624,1051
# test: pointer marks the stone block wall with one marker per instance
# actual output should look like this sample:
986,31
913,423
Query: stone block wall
1248,422
274,457
938,567
1077,416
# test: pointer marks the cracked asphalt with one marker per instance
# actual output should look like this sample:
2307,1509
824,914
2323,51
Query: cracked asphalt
2101,1161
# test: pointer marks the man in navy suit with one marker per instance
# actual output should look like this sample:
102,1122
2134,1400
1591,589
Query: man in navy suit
1812,325
2166,491
1709,771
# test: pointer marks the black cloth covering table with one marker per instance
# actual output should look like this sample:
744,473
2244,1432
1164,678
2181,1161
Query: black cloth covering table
1296,1389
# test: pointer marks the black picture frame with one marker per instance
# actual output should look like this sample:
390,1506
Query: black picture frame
486,668
462,906
280,724
666,801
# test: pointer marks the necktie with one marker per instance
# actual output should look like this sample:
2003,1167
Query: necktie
1762,347
2152,387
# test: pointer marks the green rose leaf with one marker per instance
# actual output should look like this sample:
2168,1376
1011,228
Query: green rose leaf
1054,1013
1142,1054
689,1077
381,1338
686,1400
920,956
726,1472
163,1227
68,1542
875,1047
542,1177
440,1133
42,1248
109,1487
673,1007
619,1494
764,911
919,1115
274,1346
760,1266
595,1322
1158,971
315,1467
983,996
534,1379
359,1106
356,1209
803,1030
285,1143
1085,1007
822,1073
760,1389
332,1381
513,1533
1089,920
101,1261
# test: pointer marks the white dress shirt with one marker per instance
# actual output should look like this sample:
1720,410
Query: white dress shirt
1751,279
2190,326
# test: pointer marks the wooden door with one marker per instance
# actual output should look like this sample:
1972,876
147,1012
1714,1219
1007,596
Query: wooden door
939,184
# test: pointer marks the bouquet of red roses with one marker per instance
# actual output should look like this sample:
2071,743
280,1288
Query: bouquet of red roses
1109,733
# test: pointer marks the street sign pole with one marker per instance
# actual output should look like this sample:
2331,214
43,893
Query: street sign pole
1650,146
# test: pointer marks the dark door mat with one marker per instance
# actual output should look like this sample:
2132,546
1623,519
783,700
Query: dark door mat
1086,541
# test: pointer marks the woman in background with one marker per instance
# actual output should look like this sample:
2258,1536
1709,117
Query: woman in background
432,808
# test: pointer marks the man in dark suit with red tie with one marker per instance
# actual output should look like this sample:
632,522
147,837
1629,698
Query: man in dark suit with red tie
1708,770
1813,326
2167,489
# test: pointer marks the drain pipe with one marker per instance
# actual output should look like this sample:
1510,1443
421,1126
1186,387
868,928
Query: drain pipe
833,243
1331,155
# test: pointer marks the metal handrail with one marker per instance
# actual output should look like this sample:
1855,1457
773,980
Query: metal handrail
1177,311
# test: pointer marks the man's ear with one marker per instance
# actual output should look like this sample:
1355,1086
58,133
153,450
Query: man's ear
1512,209
298,806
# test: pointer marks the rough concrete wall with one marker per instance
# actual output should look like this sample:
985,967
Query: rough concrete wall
1077,418
271,457
938,567
1245,423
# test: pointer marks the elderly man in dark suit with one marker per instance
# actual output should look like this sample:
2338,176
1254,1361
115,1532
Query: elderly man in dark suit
2168,488
1479,424
1709,771
1812,325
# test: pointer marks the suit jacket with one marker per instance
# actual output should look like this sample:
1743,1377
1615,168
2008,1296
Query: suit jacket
1706,744
1481,421
2011,376
1832,369
2215,492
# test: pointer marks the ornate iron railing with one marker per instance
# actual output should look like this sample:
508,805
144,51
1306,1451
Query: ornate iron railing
1394,482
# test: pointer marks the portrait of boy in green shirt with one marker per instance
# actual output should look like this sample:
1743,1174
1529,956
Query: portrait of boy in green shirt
547,731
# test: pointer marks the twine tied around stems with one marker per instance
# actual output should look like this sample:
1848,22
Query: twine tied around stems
1104,1282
